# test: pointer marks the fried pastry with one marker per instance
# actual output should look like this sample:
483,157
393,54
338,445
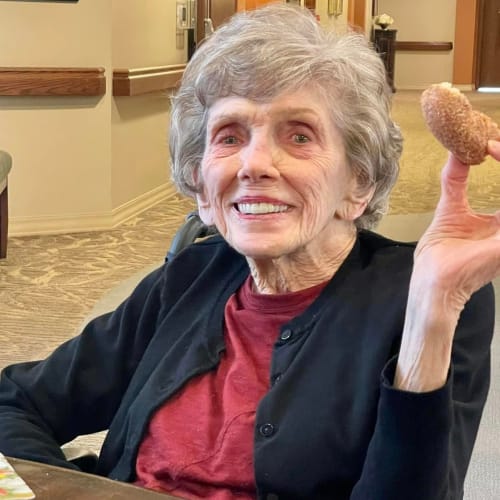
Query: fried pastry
459,128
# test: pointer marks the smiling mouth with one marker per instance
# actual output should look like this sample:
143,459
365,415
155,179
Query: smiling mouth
260,208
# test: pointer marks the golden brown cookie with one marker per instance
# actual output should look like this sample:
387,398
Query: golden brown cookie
459,128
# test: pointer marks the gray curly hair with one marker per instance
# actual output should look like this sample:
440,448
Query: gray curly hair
262,53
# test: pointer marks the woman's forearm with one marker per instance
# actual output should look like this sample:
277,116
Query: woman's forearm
425,352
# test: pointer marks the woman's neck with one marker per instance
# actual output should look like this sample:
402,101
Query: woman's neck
303,269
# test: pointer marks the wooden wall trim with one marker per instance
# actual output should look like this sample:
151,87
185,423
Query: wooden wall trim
424,46
137,81
52,81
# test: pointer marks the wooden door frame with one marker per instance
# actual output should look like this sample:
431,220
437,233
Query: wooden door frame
356,14
466,42
478,25
478,45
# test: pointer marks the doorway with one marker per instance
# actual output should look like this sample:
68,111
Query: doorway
210,14
488,44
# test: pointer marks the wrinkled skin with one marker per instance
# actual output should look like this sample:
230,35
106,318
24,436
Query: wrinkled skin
286,160
457,255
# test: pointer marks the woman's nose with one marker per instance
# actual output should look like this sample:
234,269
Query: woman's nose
259,160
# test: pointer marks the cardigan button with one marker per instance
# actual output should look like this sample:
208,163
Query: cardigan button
286,334
266,430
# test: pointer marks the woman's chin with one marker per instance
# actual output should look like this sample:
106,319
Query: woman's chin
259,250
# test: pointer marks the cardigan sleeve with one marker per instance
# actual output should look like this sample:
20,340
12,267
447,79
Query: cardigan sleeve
422,442
78,388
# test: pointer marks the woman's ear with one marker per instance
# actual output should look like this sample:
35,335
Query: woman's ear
355,202
204,209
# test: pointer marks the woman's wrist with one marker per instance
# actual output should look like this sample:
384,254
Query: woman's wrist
423,367
425,352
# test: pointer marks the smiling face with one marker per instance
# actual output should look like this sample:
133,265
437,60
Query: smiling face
275,177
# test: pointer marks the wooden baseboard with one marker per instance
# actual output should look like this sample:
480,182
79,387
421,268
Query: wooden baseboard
133,207
78,223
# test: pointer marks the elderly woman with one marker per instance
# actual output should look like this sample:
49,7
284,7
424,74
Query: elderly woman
296,354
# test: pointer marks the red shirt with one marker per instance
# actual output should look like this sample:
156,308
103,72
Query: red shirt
199,444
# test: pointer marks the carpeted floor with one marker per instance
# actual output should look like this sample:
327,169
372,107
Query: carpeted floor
50,284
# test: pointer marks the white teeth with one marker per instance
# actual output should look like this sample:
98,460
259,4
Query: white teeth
260,208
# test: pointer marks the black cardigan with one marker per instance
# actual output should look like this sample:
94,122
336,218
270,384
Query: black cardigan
330,427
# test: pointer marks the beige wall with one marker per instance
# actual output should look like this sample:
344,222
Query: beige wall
426,20
144,35
55,34
139,146
81,162
60,146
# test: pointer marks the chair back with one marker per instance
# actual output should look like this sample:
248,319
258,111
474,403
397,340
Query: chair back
5,166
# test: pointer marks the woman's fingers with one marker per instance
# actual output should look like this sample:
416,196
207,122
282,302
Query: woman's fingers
454,181
454,175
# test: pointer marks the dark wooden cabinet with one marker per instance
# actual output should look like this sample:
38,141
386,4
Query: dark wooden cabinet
385,44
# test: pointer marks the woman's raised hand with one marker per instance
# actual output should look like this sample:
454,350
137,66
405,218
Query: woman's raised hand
457,255
460,251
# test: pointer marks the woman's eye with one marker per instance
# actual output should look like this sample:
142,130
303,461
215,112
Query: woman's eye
230,139
300,138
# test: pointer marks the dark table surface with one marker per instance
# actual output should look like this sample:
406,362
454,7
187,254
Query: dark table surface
56,483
